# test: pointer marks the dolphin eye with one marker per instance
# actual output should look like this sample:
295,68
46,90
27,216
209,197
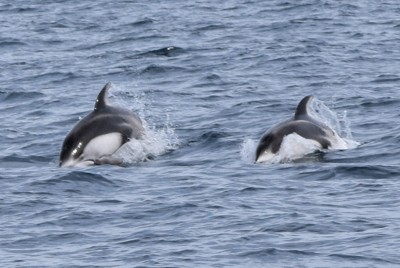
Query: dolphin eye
71,148
67,145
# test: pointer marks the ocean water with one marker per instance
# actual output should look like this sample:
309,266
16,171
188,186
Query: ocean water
209,78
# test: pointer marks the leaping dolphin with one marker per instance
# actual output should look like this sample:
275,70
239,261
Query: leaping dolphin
97,136
305,126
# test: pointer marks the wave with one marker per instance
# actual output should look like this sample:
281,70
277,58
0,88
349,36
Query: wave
368,171
10,42
18,96
170,51
75,182
154,69
76,177
14,158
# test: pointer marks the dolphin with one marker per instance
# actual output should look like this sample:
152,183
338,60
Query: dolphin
97,136
302,124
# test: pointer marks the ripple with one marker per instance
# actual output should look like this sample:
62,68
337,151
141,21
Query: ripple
386,78
368,171
20,96
353,257
33,244
76,182
154,69
170,51
80,176
10,43
275,252
381,102
25,159
141,22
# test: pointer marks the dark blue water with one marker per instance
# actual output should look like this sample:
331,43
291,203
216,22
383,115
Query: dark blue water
207,77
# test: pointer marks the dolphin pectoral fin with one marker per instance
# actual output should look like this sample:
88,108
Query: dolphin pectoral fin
108,159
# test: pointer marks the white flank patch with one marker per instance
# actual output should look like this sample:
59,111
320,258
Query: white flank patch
102,145
99,146
266,157
294,146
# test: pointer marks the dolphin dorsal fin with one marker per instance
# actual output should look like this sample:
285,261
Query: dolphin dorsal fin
101,101
302,108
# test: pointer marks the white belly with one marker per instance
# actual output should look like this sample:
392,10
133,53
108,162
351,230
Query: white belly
293,147
102,145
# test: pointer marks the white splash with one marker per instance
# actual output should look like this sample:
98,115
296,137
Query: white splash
156,141
338,122
248,150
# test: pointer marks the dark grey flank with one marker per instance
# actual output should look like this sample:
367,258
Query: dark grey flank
302,124
104,119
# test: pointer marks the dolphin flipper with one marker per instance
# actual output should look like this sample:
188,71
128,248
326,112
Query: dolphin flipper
108,159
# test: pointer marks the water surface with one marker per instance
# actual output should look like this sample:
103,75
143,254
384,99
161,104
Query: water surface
207,77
